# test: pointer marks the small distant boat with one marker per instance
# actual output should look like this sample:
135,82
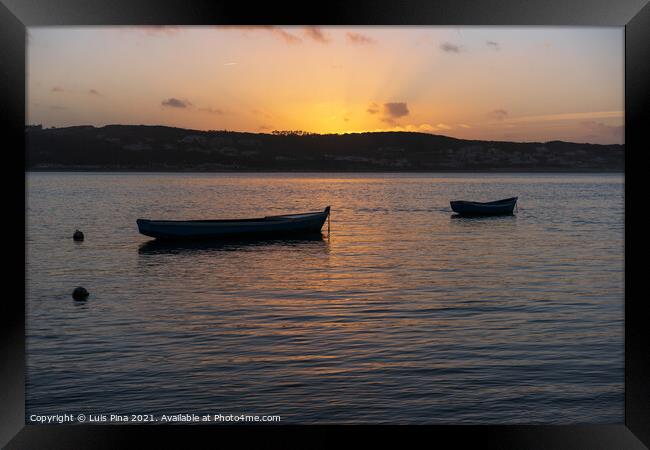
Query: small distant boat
283,225
495,208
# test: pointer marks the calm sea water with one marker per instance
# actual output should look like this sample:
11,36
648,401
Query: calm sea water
404,314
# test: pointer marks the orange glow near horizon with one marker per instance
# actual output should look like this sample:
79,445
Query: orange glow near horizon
493,83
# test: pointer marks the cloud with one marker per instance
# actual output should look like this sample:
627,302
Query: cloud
358,38
493,45
498,114
176,103
312,33
230,64
602,129
396,110
422,128
187,105
390,112
570,116
316,34
276,32
284,35
448,47
373,108
59,89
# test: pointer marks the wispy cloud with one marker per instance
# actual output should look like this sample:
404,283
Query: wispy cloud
448,47
285,35
603,129
274,31
176,103
59,90
569,116
373,108
421,128
358,38
230,64
185,104
317,34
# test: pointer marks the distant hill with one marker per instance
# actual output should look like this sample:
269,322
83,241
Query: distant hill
159,148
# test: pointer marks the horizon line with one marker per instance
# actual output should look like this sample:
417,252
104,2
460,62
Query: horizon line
309,133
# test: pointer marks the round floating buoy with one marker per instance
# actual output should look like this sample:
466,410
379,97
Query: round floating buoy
78,236
80,293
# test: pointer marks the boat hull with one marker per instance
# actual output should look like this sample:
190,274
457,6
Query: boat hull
287,225
496,208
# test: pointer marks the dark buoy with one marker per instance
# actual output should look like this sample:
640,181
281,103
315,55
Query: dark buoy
80,293
78,236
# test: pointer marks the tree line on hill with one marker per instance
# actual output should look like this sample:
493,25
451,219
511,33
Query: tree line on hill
161,148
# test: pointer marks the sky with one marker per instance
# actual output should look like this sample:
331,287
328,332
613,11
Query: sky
493,83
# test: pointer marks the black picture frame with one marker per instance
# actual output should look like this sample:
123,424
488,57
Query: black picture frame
15,15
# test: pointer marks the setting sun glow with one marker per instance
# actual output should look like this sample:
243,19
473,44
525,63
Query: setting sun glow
492,83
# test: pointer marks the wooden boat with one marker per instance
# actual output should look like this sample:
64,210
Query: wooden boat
283,225
498,207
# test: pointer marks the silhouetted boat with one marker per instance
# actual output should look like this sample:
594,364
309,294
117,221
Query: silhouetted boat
498,207
283,225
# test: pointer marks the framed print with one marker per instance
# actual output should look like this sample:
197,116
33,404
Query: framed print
371,218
